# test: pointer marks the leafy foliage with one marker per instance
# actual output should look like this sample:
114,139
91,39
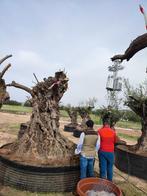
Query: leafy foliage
28,103
136,98
111,114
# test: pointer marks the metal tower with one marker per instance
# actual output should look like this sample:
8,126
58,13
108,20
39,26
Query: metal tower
114,83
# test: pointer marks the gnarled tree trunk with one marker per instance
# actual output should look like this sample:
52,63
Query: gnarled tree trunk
42,142
84,113
73,114
140,108
4,95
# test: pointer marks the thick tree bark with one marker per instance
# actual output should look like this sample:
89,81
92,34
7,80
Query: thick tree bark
4,95
84,113
136,45
140,108
73,114
42,142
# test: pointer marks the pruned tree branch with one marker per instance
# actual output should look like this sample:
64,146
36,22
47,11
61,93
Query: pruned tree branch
136,45
4,70
6,57
133,98
17,85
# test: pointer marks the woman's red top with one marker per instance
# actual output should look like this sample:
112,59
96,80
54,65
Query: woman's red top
107,139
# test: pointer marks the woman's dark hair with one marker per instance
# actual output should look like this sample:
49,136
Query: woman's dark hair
106,121
90,123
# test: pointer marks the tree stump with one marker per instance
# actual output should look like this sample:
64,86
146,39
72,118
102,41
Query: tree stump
73,114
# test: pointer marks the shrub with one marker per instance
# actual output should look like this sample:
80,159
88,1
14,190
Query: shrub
12,102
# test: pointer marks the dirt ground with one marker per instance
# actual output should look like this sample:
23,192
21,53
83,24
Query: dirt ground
9,121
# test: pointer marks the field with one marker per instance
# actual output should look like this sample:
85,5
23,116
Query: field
9,126
13,127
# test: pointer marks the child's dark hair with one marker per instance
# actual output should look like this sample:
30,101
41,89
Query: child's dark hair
90,123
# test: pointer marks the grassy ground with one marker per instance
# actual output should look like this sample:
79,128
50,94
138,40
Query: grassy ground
126,136
16,109
63,113
129,190
129,125
14,127
8,191
97,121
10,128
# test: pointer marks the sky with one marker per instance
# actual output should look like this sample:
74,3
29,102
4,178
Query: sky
80,36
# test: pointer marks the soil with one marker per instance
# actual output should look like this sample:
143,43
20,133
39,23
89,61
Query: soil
13,118
6,121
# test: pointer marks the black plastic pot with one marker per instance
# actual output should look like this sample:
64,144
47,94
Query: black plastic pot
69,128
77,132
130,162
38,179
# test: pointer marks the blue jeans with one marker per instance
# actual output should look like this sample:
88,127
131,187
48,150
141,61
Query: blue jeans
86,167
106,161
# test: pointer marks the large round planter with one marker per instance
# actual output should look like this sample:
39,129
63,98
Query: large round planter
77,132
38,179
68,128
130,162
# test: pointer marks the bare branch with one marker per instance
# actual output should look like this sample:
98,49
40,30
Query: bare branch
133,98
4,70
21,87
6,57
36,77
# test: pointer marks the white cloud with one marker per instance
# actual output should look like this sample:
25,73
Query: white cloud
28,58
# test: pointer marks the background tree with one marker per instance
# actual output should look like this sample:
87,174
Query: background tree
88,103
28,102
136,99
85,109
12,102
84,113
73,114
111,114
